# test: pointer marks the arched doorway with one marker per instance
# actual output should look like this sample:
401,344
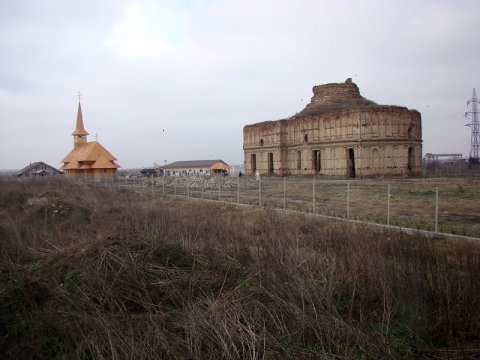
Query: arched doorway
410,159
351,162
317,160
253,162
270,163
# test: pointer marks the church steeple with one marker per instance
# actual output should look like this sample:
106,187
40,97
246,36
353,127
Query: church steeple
88,159
79,134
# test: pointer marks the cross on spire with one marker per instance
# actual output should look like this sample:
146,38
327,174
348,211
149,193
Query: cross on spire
79,96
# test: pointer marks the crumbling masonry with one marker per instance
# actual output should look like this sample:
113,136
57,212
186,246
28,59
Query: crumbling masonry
340,133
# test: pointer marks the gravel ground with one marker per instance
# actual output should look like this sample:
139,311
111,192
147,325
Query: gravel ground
226,183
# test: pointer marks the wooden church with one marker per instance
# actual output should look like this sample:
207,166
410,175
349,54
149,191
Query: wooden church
88,159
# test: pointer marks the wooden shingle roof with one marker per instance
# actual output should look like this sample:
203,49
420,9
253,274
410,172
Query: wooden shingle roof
79,128
91,155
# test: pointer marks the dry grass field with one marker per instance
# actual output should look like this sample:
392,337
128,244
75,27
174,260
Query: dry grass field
412,202
89,272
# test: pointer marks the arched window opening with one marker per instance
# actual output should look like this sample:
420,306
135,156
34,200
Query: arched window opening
410,130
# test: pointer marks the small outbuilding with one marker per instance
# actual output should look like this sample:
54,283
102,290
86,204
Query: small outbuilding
38,168
196,168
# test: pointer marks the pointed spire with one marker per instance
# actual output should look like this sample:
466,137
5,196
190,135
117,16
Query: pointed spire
79,129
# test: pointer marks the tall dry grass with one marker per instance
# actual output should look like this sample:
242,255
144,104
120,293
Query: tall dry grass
94,272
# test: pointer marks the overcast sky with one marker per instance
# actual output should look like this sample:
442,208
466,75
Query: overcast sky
178,80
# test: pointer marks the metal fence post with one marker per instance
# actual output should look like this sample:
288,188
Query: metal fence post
436,209
175,188
388,204
163,185
348,200
260,192
219,179
284,194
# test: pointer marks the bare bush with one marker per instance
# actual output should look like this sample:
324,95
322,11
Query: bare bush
95,272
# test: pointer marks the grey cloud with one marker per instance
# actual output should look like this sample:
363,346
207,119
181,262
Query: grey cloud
236,62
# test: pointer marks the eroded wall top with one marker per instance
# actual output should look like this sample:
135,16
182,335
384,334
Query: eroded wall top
335,96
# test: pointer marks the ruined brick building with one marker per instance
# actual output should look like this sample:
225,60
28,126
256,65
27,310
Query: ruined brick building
340,133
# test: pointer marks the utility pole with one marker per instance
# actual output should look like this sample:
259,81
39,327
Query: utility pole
474,125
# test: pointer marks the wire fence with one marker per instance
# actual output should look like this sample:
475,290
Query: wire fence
439,205
443,205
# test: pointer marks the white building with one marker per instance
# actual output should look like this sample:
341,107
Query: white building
195,168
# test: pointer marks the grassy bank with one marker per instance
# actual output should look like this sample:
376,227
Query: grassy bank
91,272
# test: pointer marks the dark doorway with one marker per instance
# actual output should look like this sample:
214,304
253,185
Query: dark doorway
270,163
299,160
351,163
410,158
317,160
253,160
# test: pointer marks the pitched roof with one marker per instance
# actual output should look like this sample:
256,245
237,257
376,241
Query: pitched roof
192,164
79,129
91,155
103,163
34,165
89,151
220,166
